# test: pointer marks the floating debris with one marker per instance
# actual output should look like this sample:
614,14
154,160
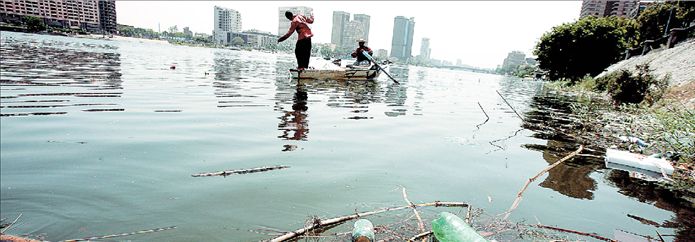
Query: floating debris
510,106
487,118
121,235
241,171
519,195
319,223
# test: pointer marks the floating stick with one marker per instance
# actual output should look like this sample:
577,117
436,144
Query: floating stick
521,192
240,171
420,224
121,235
486,117
510,106
328,222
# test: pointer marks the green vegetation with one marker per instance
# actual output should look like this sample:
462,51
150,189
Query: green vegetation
638,110
653,20
625,86
130,31
34,24
524,71
589,45
238,41
678,135
572,50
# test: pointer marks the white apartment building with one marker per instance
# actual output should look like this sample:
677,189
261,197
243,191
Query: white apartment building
226,20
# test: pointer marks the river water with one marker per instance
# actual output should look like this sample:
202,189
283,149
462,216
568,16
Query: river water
102,137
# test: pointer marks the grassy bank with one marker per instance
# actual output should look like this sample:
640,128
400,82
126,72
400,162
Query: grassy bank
635,104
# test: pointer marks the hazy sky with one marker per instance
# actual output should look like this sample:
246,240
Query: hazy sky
480,33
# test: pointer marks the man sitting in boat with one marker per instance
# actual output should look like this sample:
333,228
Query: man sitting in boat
361,59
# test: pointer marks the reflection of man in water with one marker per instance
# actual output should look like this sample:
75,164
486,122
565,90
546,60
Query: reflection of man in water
295,120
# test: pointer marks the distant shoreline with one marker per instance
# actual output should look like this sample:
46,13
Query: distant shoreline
90,36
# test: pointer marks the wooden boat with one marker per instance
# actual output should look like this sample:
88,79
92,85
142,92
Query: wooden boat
357,73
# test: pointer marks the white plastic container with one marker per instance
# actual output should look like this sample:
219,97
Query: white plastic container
640,161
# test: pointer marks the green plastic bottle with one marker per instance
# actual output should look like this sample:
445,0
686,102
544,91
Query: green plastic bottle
363,231
450,228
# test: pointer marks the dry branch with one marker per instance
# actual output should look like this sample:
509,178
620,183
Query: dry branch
10,225
420,224
521,192
502,139
487,118
468,215
327,222
420,236
510,106
595,236
121,235
660,238
241,171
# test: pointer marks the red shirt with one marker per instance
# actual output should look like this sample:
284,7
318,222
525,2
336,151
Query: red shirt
358,53
300,23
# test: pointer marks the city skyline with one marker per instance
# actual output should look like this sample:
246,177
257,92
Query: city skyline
479,33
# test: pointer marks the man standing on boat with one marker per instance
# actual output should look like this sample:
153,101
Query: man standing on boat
302,50
361,59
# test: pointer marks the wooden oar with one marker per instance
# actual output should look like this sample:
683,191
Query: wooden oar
369,57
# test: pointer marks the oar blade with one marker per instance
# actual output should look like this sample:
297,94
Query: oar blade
369,57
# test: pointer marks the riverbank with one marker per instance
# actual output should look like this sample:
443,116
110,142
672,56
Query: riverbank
667,124
12,238
677,63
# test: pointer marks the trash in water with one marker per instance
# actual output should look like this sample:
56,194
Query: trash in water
363,231
450,228
649,168
641,143
649,163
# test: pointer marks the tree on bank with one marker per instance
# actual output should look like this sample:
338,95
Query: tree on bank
586,47
34,24
654,19
238,41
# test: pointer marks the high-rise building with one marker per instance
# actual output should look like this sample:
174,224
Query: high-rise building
603,8
340,20
641,6
353,33
425,49
226,20
284,23
73,14
514,60
402,39
187,32
346,32
364,20
107,16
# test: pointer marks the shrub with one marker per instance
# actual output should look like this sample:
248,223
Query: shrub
34,24
588,83
627,87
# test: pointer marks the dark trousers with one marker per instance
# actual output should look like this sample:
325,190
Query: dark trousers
303,52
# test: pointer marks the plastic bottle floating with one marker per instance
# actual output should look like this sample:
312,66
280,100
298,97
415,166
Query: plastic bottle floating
363,231
450,228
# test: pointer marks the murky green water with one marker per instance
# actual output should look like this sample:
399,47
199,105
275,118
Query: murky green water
102,137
